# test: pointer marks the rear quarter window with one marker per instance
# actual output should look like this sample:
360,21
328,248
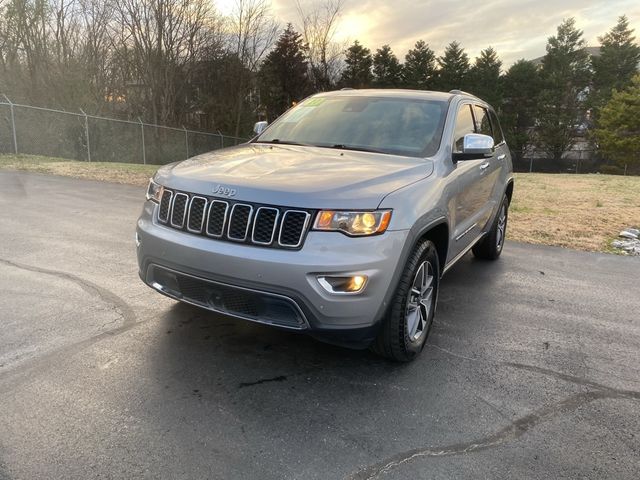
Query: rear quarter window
498,136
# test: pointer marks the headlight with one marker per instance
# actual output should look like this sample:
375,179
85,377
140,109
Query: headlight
353,223
154,191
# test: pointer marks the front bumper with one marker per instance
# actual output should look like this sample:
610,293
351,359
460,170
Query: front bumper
277,273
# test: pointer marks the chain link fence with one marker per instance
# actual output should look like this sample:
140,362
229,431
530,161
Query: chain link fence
573,162
78,136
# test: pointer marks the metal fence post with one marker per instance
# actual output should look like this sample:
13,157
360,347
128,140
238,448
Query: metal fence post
144,153
186,140
86,134
13,124
531,165
221,139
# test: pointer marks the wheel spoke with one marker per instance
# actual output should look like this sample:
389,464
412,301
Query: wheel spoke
412,322
427,285
426,300
417,283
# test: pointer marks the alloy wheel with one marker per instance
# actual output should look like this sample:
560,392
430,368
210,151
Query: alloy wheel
420,302
502,227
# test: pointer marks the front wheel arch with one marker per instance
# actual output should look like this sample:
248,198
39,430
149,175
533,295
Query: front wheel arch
439,235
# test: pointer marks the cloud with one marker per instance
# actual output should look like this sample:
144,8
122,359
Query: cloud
516,29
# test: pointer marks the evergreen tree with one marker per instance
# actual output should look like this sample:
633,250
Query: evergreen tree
454,68
617,63
283,76
387,71
618,131
522,88
357,73
419,67
484,77
566,75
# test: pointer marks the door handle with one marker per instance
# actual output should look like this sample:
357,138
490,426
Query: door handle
484,166
502,157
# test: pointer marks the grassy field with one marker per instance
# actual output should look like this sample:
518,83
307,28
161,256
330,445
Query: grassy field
583,212
128,173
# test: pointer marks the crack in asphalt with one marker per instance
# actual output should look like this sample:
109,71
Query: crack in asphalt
510,432
122,308
118,304
279,378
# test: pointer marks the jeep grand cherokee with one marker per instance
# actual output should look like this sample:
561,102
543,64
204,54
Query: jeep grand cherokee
339,219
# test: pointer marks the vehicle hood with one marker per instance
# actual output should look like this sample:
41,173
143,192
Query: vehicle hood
296,176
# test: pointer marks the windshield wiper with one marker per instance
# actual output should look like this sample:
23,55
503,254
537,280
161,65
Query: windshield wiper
286,142
355,148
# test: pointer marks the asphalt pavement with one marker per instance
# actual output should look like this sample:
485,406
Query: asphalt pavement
532,369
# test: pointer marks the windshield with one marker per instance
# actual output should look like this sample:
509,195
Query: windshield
398,126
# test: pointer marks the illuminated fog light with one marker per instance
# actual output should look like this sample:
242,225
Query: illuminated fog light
343,285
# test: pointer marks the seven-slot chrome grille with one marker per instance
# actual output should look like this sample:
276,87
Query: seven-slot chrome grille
236,221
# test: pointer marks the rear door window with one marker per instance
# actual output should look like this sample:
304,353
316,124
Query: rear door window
483,124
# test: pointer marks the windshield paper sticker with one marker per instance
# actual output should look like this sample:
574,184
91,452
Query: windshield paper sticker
303,110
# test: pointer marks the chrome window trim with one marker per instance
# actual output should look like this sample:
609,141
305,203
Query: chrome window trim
166,220
224,219
304,228
204,211
273,230
184,215
246,232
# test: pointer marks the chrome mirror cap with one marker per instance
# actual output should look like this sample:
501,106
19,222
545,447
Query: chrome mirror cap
259,127
477,144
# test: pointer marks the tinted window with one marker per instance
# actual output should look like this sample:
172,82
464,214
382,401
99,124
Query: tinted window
464,125
483,125
400,126
498,136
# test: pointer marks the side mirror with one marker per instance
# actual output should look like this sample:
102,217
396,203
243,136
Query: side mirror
477,144
259,127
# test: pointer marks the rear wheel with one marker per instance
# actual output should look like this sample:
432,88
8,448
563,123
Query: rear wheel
490,247
408,322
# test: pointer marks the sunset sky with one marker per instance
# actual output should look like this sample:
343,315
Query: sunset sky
516,29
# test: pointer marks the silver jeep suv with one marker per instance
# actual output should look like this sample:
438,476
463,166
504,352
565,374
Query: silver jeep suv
337,220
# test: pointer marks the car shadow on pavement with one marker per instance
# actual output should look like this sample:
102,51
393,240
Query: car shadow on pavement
281,394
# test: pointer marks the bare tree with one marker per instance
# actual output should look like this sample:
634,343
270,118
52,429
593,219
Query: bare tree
165,38
97,49
26,45
253,31
319,25
65,30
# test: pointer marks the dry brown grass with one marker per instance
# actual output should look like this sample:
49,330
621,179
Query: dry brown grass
584,212
109,172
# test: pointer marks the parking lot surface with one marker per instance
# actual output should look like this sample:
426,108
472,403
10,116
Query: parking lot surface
532,369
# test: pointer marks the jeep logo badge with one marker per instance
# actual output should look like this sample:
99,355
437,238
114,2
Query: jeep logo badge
226,191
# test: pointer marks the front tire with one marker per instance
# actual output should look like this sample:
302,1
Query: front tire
490,247
408,322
